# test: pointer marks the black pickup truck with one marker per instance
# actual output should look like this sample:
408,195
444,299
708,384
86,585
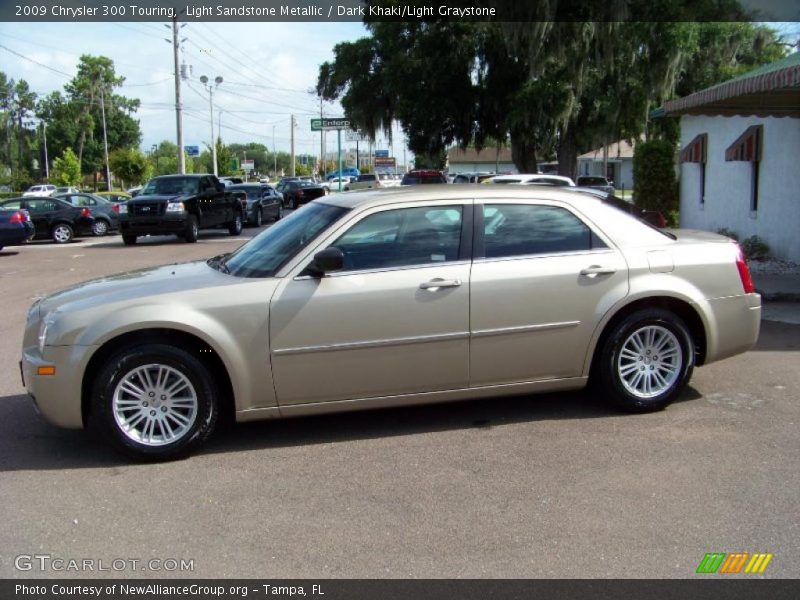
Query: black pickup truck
182,205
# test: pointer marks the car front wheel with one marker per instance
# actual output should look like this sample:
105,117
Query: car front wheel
646,361
154,402
192,230
100,227
235,226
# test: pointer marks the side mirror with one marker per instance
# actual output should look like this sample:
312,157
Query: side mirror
330,259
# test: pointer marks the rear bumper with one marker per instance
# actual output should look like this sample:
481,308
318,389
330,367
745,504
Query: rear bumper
735,327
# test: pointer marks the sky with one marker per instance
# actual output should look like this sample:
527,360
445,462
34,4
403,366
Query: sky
267,70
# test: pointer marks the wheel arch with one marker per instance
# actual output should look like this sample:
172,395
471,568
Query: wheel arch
175,337
678,306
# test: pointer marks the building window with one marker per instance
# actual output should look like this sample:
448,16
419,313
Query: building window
747,148
695,152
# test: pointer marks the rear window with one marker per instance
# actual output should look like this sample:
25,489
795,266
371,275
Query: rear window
422,179
592,181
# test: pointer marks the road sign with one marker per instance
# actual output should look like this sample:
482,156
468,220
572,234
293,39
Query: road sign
192,150
385,164
233,165
329,124
381,153
248,165
356,136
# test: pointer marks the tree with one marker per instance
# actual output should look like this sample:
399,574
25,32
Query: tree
66,169
130,165
654,176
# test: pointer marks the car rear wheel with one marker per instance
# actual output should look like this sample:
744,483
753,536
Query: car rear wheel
279,212
100,227
292,203
258,218
154,402
646,361
128,239
192,230
235,226
62,233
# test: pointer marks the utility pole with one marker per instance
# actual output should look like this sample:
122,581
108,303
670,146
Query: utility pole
321,145
105,137
274,154
217,81
178,105
292,173
46,166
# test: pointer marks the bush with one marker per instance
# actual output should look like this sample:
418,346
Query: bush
728,233
654,176
754,248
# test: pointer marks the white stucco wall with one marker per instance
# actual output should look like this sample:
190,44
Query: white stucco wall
728,184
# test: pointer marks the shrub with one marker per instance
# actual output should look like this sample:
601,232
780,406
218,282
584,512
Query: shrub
728,233
654,176
754,248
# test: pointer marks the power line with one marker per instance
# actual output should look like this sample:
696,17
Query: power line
36,62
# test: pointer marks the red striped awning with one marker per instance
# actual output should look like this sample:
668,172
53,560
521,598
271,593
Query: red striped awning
695,151
747,146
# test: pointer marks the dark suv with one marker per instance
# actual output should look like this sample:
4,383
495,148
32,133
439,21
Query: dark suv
423,176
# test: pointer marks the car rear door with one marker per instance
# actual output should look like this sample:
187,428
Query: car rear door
542,279
42,212
394,321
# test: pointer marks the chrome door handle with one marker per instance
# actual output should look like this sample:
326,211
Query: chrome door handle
597,270
435,284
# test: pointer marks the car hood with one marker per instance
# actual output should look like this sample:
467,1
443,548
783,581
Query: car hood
125,287
157,198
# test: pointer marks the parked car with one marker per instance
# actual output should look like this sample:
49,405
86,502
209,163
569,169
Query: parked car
105,212
54,218
389,179
654,217
593,181
44,189
134,191
534,179
334,183
116,196
297,193
365,181
260,201
423,176
16,227
378,300
472,177
351,172
181,205
65,190
229,181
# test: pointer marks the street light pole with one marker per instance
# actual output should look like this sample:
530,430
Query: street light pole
178,105
217,81
105,137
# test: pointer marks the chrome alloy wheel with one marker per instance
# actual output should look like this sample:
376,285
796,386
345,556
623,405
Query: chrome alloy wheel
650,361
155,405
62,234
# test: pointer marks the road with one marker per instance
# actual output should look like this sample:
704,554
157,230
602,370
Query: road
557,485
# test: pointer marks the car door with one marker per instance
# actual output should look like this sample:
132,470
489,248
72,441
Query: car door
541,281
42,212
394,321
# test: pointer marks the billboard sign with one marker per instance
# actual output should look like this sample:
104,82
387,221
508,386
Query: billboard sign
329,124
356,136
248,165
381,154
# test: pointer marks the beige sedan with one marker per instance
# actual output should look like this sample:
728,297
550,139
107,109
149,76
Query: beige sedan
390,298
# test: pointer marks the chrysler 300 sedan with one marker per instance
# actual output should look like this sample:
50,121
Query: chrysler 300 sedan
389,298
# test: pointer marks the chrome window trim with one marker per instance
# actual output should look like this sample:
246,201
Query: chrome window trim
449,263
422,339
549,255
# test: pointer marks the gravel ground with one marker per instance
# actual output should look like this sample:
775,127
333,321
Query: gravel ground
774,266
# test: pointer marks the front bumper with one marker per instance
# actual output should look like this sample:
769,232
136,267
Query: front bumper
57,397
160,225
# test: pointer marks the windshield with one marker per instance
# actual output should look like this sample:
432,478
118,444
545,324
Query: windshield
592,181
253,192
170,186
266,253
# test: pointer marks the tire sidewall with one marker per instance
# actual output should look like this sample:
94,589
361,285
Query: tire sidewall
612,384
102,411
103,224
68,229
192,229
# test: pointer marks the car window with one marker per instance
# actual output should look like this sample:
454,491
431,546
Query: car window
522,229
12,204
402,237
80,200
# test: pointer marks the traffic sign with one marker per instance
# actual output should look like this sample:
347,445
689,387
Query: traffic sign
381,153
192,150
385,163
329,124
248,165
356,136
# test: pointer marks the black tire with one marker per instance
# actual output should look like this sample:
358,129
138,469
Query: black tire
129,239
235,226
62,233
258,218
192,230
279,212
678,366
200,424
101,227
292,203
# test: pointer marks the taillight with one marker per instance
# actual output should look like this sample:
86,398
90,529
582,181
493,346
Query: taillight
744,272
17,217
85,212
662,222
115,207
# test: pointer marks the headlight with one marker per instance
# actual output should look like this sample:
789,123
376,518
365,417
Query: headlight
175,207
48,320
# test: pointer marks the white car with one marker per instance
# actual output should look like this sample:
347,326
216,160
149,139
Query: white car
44,189
534,179
67,190
333,183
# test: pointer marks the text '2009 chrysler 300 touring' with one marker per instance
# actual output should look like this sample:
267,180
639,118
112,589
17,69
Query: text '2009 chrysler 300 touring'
387,298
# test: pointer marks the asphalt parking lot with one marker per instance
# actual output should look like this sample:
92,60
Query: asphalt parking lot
556,485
